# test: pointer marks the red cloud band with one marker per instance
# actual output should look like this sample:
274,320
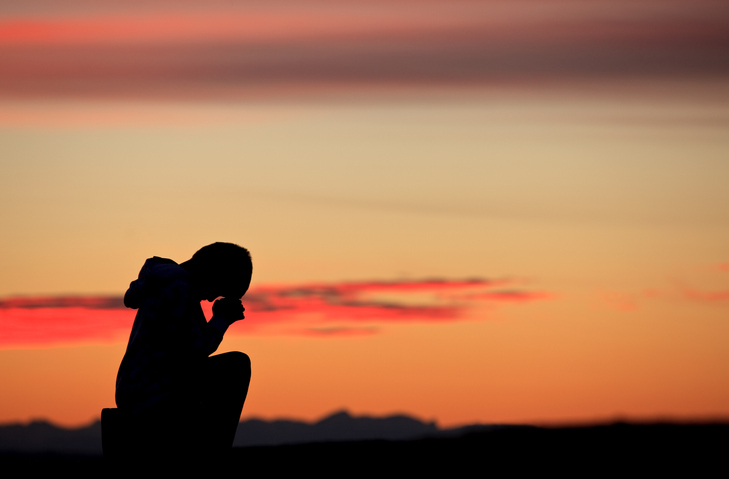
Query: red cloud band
313,309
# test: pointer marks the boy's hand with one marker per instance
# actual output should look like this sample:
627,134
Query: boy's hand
229,308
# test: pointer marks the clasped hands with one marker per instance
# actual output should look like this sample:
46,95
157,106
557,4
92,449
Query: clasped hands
229,308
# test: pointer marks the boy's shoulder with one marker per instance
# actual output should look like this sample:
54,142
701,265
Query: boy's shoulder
160,280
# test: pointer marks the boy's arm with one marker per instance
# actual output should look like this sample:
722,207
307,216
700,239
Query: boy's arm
226,311
189,333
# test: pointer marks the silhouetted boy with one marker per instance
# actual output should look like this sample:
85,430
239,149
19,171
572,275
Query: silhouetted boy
176,397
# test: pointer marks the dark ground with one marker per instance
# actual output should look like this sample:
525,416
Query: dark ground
695,449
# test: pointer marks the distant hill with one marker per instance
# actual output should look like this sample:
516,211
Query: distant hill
41,436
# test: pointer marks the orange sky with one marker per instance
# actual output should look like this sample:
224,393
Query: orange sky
465,211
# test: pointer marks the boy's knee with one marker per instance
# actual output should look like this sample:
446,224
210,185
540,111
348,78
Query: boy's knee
230,365
242,362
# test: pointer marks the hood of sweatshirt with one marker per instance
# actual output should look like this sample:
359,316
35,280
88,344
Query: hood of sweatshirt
156,274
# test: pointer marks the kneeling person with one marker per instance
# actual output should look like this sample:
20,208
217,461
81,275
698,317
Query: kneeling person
168,383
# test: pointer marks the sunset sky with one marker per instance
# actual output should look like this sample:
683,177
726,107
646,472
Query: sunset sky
467,211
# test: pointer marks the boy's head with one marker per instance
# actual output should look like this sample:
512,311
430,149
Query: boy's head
223,269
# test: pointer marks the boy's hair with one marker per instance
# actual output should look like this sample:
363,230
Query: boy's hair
227,259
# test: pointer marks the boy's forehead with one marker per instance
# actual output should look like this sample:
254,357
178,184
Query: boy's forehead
232,278
230,270
238,292
242,279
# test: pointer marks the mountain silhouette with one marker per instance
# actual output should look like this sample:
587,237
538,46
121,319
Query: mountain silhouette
340,426
400,445
42,436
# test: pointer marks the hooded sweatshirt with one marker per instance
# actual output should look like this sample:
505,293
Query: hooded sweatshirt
170,336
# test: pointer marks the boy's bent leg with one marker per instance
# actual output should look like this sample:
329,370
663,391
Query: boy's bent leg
225,381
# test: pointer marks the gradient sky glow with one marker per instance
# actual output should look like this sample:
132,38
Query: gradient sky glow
468,211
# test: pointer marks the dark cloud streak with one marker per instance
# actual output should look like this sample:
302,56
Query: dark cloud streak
323,310
86,302
476,53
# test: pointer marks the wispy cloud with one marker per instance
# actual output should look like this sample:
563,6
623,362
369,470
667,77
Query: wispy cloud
680,290
322,309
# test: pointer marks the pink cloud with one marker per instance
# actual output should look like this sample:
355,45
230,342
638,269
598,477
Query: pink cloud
715,296
680,290
706,296
321,309
630,301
